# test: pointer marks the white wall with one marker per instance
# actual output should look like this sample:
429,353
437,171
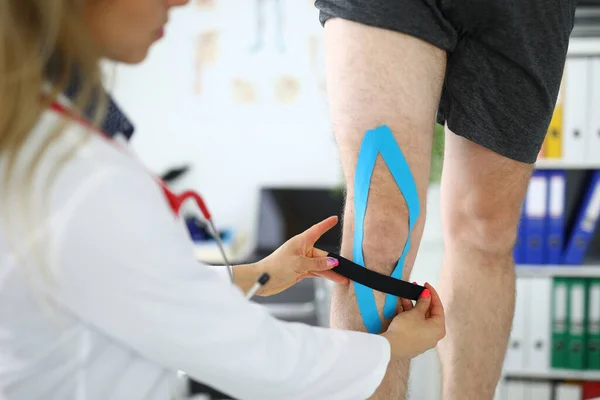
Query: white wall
234,148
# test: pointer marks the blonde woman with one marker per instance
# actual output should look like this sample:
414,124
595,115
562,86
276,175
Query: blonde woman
100,295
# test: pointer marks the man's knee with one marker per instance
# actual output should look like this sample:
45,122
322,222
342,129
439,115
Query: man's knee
482,224
386,230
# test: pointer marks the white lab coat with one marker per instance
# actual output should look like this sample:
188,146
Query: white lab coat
125,304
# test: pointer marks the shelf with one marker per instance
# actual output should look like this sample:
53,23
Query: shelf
548,163
584,46
555,374
535,271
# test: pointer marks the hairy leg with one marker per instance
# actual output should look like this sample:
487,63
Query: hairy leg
482,193
377,77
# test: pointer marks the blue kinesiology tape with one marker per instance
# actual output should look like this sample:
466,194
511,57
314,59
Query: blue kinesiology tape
380,141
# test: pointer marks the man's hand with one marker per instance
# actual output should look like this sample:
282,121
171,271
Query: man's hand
297,259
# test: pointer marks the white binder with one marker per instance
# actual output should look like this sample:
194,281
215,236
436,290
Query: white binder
500,394
576,109
593,145
516,355
538,339
568,391
515,390
538,391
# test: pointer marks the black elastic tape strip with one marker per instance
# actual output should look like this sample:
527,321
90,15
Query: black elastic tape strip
375,280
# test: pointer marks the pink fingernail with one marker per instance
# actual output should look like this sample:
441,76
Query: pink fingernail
332,262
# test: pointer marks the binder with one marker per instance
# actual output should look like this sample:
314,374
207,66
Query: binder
519,249
516,356
585,224
575,123
538,340
554,137
593,329
515,390
556,216
593,146
591,390
559,309
535,218
538,391
577,324
568,391
500,393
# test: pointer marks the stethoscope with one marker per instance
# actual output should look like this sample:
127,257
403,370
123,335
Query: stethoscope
176,201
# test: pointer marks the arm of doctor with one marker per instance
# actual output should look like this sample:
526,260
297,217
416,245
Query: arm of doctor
127,268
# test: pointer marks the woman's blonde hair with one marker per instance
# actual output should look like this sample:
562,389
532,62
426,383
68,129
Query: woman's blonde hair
45,47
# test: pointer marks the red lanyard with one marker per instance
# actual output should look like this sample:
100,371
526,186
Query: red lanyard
175,200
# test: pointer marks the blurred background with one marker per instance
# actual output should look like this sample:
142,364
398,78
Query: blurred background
232,103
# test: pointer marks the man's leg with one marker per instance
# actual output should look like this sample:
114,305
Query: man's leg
377,77
482,193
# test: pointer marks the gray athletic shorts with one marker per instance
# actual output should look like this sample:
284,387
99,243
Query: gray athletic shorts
505,61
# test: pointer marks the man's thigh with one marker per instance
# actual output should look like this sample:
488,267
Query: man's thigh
379,77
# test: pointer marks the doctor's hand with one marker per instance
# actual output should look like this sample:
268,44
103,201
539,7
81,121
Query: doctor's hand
297,259
417,328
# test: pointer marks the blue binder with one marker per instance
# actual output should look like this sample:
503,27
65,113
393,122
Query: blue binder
585,224
556,216
536,207
519,249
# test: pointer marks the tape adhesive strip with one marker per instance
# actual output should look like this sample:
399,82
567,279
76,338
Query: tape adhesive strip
380,141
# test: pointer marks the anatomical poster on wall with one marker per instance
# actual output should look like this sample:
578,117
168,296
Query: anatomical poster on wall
243,91
208,5
287,89
206,55
255,52
317,60
268,13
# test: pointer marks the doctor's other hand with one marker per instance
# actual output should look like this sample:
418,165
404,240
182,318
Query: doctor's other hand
417,328
297,259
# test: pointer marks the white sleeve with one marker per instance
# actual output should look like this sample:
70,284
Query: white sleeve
127,267
221,270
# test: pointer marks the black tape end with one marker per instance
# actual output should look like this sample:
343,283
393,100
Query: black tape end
375,280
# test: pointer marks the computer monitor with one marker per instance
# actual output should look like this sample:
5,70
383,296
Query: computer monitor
287,211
